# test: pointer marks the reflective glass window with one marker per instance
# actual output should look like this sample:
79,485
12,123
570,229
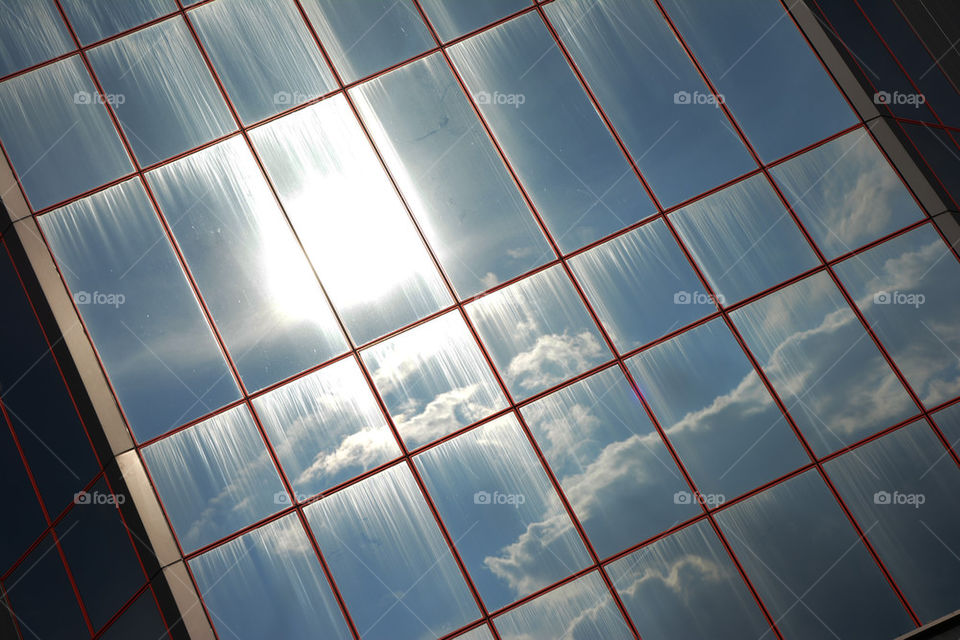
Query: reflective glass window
581,184
58,135
141,619
455,183
95,20
502,512
948,420
389,559
21,500
30,33
352,223
614,469
823,364
264,54
480,633
161,90
652,93
215,478
433,379
326,427
453,18
251,272
156,346
538,332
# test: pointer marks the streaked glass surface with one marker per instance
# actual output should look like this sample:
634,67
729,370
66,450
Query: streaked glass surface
161,90
326,427
846,194
652,93
612,464
948,420
264,54
906,491
453,18
30,33
686,586
502,512
538,332
365,37
95,20
582,185
59,137
908,289
816,581
480,633
215,478
580,609
251,272
351,221
269,583
433,379
743,239
641,286
716,411
389,559
455,183
769,76
823,364
162,358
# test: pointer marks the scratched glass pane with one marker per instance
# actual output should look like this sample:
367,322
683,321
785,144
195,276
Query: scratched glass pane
264,54
162,358
453,18
94,20
30,33
480,633
252,273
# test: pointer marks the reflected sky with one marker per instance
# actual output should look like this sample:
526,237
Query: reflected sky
716,412
452,18
502,512
581,184
433,379
830,375
348,216
613,467
326,427
162,358
948,420
686,586
390,561
538,332
269,583
95,20
480,633
30,32
214,478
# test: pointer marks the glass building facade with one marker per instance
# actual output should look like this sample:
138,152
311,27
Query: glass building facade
494,319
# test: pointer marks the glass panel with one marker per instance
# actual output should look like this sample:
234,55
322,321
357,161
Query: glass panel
809,566
744,239
163,360
389,559
326,428
538,332
610,461
716,412
264,54
949,422
502,512
470,209
364,37
94,20
433,379
257,283
909,291
268,583
579,609
141,620
453,18
905,491
53,125
30,32
652,94
823,364
215,478
641,286
846,194
769,77
162,92
351,221
480,633
686,586
582,185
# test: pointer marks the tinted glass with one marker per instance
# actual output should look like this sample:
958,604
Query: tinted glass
95,20
452,18
141,619
30,32
23,501
948,420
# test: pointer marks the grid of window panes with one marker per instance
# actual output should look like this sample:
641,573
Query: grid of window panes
581,318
